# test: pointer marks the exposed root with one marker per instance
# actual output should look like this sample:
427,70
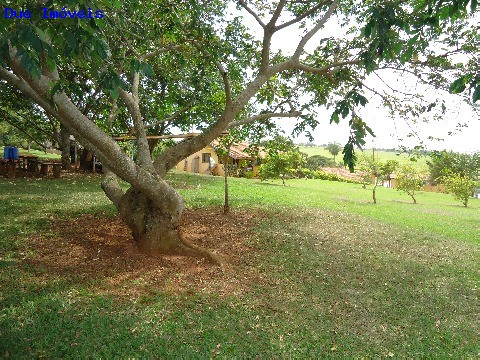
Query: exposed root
195,251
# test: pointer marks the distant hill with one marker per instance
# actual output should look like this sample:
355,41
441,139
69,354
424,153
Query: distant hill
382,155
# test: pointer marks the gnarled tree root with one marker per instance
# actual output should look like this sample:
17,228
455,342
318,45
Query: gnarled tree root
182,247
195,251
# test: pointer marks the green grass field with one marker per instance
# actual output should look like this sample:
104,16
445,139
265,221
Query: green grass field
402,158
40,154
322,273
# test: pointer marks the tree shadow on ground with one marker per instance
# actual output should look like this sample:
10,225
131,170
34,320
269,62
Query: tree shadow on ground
100,252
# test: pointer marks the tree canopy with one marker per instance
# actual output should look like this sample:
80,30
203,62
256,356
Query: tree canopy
445,163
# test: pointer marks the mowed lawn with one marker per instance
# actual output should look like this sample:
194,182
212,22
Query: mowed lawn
320,272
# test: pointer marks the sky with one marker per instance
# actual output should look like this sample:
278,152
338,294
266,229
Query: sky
390,132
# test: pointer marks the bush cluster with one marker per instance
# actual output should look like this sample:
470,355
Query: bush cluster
321,175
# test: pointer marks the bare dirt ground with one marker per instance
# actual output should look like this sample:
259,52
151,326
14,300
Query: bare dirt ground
100,252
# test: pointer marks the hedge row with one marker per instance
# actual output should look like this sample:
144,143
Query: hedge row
319,174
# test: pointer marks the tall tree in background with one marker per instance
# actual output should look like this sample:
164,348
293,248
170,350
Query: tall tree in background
334,149
158,65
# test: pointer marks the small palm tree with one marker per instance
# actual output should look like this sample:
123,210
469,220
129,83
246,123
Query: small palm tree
334,149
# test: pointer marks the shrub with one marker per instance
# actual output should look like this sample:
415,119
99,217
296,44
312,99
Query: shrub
409,181
461,187
315,162
249,174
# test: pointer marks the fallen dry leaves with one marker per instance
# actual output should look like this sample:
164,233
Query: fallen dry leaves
100,251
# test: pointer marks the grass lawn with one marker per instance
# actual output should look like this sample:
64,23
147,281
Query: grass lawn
40,154
315,270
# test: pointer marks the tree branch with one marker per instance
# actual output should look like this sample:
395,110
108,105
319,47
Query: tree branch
316,28
263,117
66,112
327,68
132,102
154,53
171,117
226,83
25,88
301,17
15,125
111,187
391,88
277,13
268,32
169,158
253,13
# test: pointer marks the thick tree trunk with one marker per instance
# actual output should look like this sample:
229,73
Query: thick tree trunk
156,231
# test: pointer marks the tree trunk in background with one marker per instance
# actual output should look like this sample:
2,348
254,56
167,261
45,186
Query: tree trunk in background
65,146
152,143
226,206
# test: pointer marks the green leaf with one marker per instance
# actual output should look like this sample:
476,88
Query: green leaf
31,65
71,41
102,49
413,40
458,86
349,158
114,93
473,5
41,34
334,118
368,28
360,99
407,55
147,70
369,130
57,87
476,94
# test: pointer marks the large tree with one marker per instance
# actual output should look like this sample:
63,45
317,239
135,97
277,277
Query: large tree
155,65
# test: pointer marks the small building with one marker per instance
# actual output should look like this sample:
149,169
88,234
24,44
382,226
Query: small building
201,162
207,160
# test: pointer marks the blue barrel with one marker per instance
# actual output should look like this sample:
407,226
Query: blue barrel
10,153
